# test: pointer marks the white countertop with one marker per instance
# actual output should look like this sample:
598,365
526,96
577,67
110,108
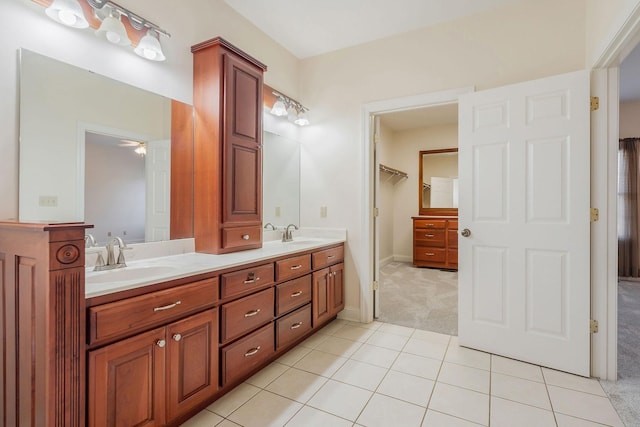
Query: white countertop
161,269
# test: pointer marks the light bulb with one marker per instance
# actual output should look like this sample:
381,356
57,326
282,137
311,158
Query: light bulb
302,119
149,48
113,30
67,12
67,18
279,109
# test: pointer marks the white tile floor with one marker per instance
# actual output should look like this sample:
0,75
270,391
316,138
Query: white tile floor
351,374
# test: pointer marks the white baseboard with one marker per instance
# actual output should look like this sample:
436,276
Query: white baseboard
402,258
387,260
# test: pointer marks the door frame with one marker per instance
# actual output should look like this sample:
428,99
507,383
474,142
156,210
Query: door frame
370,239
604,176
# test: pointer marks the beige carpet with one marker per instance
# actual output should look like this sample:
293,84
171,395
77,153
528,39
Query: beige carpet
422,298
625,393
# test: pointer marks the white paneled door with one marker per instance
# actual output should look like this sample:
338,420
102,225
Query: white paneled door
524,283
158,190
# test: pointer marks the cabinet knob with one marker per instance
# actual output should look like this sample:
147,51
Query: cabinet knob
161,343
466,232
245,237
177,337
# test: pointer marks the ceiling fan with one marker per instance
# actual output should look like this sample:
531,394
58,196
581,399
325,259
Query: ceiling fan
139,146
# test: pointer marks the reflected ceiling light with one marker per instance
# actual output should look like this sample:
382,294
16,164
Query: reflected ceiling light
67,12
113,29
141,149
295,112
149,48
279,109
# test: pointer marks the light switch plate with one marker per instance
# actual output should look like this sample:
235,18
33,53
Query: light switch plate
48,201
323,211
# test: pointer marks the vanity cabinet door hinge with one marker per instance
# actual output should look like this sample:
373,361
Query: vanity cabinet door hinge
595,103
593,326
376,285
595,214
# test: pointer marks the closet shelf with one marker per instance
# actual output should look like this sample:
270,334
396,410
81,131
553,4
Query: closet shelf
394,173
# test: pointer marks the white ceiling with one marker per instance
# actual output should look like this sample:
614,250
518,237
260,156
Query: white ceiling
312,27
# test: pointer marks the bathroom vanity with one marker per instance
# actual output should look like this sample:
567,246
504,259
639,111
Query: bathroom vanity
176,332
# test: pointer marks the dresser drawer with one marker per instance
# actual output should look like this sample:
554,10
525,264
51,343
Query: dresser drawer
241,236
453,225
124,317
429,254
293,326
429,237
293,294
430,223
293,267
243,281
327,257
246,354
245,314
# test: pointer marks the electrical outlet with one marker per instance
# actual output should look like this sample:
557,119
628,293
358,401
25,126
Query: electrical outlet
48,201
323,211
277,211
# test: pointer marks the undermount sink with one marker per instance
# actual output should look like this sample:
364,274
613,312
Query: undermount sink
128,273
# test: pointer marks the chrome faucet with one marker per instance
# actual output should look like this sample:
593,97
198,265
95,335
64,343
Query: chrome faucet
88,238
286,236
111,258
267,225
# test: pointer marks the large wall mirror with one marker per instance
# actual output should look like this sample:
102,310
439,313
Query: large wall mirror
438,182
81,136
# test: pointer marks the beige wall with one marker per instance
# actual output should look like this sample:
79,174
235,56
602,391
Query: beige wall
604,20
629,123
24,24
519,42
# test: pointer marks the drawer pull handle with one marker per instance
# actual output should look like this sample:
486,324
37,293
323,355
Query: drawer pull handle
429,225
430,254
252,280
330,256
296,267
177,337
252,313
429,235
252,352
167,307
296,325
245,237
296,294
161,343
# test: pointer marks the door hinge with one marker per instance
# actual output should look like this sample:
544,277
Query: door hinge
595,103
595,214
376,285
376,212
376,138
593,326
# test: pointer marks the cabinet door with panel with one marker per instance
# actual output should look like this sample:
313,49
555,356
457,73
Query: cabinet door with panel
192,364
127,383
328,293
337,288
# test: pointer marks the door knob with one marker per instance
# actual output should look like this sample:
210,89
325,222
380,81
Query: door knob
466,232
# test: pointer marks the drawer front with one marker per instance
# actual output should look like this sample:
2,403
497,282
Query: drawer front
327,257
293,326
241,236
124,317
243,281
429,223
246,354
293,267
245,314
453,238
429,237
429,254
293,294
453,225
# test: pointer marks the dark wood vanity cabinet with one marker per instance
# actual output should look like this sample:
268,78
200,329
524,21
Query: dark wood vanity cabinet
328,293
227,99
156,376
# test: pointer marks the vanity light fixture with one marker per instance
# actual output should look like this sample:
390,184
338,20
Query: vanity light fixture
150,48
113,29
291,108
108,22
279,109
67,12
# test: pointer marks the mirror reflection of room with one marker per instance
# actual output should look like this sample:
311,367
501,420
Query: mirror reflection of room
423,144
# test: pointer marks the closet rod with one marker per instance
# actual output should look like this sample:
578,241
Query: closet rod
393,171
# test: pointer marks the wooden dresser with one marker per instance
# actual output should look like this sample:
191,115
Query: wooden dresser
435,241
